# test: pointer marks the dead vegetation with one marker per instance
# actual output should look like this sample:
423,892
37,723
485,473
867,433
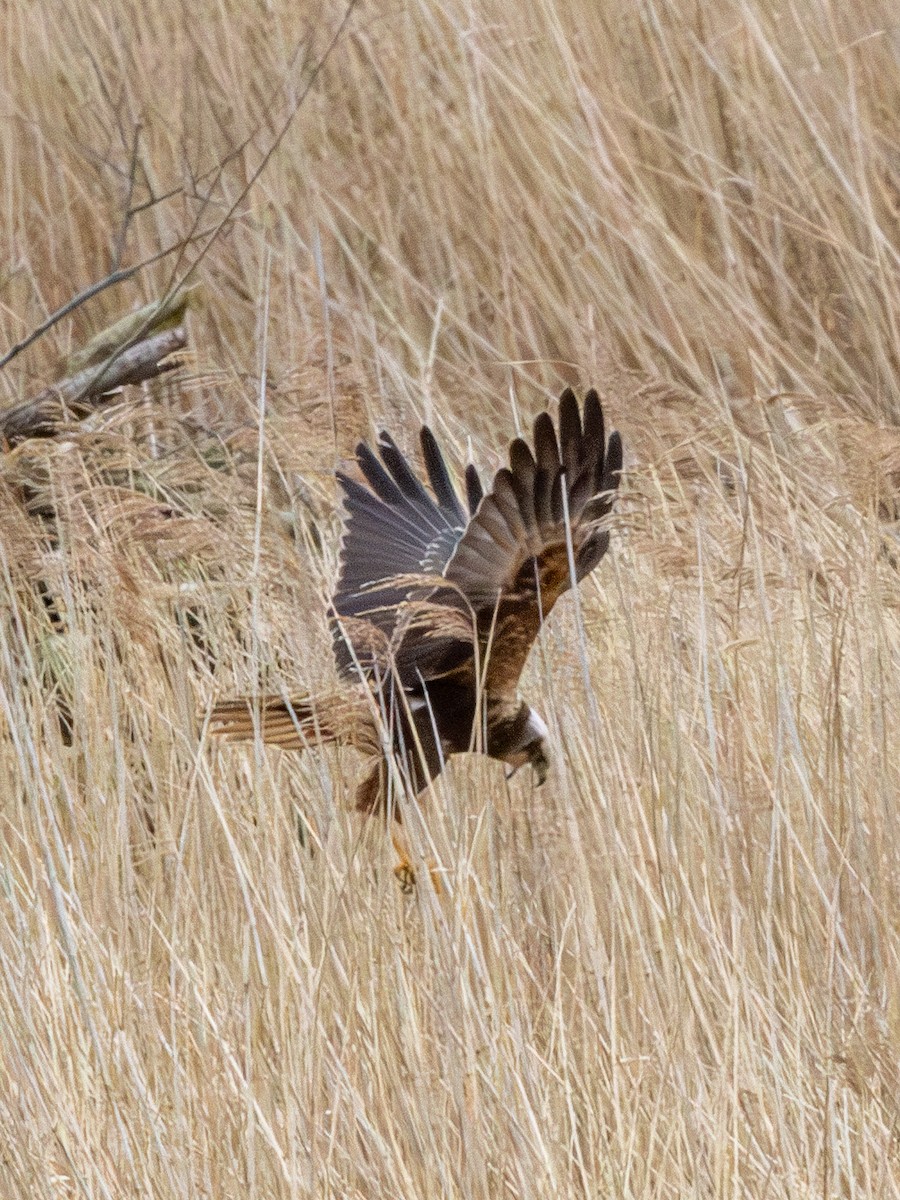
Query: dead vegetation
672,971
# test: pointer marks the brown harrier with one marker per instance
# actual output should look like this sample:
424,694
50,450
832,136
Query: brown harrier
436,610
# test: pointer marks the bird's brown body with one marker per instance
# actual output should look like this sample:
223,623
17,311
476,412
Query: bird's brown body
436,609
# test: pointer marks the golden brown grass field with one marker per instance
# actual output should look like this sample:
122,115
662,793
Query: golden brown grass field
673,970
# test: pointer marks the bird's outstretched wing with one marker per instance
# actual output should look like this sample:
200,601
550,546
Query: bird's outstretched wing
512,562
395,534
419,582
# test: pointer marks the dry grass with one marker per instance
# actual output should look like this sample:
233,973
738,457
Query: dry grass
674,970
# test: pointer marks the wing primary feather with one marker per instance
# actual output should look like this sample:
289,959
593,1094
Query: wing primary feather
474,490
580,492
439,477
604,494
524,470
590,553
570,436
403,474
366,511
543,481
594,429
546,448
520,457
376,476
557,511
612,467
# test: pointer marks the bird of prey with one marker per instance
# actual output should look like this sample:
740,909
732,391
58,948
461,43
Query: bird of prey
436,607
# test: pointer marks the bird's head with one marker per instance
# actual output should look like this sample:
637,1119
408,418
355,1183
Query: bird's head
532,746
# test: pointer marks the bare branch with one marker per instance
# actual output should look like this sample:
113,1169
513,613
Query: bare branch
96,288
123,354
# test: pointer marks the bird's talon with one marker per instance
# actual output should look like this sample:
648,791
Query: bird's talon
406,877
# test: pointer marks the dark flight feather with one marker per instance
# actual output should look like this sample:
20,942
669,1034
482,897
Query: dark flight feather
474,490
439,478
408,483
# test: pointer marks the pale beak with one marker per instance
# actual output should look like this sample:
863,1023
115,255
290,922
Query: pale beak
538,761
541,765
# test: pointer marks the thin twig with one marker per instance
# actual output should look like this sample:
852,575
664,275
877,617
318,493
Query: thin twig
176,285
119,245
110,281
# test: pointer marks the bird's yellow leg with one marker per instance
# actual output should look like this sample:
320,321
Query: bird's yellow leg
405,871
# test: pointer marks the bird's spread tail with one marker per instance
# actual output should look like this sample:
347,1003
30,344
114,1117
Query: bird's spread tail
296,722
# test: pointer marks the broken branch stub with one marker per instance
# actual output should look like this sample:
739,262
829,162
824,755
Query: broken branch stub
110,363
